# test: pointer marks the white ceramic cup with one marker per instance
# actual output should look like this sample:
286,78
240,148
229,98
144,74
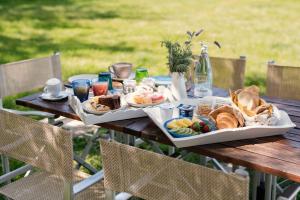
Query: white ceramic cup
166,111
53,87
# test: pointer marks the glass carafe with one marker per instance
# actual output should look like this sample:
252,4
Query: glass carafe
203,75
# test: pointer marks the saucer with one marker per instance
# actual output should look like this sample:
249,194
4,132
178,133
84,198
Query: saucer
131,76
49,97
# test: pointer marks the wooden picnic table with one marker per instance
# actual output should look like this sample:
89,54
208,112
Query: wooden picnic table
276,155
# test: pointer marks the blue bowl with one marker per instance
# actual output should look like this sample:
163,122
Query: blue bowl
206,120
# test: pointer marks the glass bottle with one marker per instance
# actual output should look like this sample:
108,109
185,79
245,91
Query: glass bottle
203,74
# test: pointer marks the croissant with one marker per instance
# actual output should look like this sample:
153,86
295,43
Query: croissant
227,117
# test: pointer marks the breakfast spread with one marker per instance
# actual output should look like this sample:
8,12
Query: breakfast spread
245,108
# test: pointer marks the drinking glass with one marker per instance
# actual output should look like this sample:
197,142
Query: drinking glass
129,86
81,89
141,73
100,87
106,76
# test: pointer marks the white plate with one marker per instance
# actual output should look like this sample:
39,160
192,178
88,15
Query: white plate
82,76
49,97
87,107
132,76
129,99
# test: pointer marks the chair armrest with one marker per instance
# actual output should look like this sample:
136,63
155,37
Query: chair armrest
13,174
30,113
84,184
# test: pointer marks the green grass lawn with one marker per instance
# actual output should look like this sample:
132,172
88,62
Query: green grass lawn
93,34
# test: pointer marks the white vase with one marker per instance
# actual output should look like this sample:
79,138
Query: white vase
178,88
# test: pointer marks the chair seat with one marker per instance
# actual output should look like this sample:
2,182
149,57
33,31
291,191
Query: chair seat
45,186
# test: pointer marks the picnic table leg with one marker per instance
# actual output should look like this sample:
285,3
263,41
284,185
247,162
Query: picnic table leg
112,134
274,189
255,182
268,186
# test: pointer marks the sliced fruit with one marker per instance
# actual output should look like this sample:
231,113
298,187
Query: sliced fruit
181,123
172,124
187,121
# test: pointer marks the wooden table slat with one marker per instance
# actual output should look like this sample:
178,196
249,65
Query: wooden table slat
251,160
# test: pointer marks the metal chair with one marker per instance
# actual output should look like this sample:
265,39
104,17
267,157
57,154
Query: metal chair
50,150
283,81
152,176
26,75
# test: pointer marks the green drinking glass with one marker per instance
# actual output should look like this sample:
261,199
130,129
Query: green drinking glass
141,73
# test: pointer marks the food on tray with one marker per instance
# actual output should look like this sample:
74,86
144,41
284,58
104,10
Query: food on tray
255,110
117,85
94,102
203,109
184,131
179,123
112,101
149,98
249,102
227,117
186,126
157,98
141,99
185,110
144,89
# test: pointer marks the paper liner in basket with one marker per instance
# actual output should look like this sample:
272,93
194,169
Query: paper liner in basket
254,109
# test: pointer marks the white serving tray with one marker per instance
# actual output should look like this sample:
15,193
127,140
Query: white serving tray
90,119
224,135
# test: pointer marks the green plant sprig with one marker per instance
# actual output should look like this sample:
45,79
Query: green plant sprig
180,55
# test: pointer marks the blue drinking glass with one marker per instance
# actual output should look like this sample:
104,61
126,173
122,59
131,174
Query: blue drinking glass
81,88
106,76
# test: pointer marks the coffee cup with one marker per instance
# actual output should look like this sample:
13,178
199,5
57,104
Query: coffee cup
53,87
121,70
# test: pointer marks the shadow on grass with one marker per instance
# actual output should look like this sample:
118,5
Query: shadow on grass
19,49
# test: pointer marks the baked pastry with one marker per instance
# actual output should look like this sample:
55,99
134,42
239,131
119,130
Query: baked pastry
203,109
112,101
153,98
157,98
98,107
227,117
117,85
